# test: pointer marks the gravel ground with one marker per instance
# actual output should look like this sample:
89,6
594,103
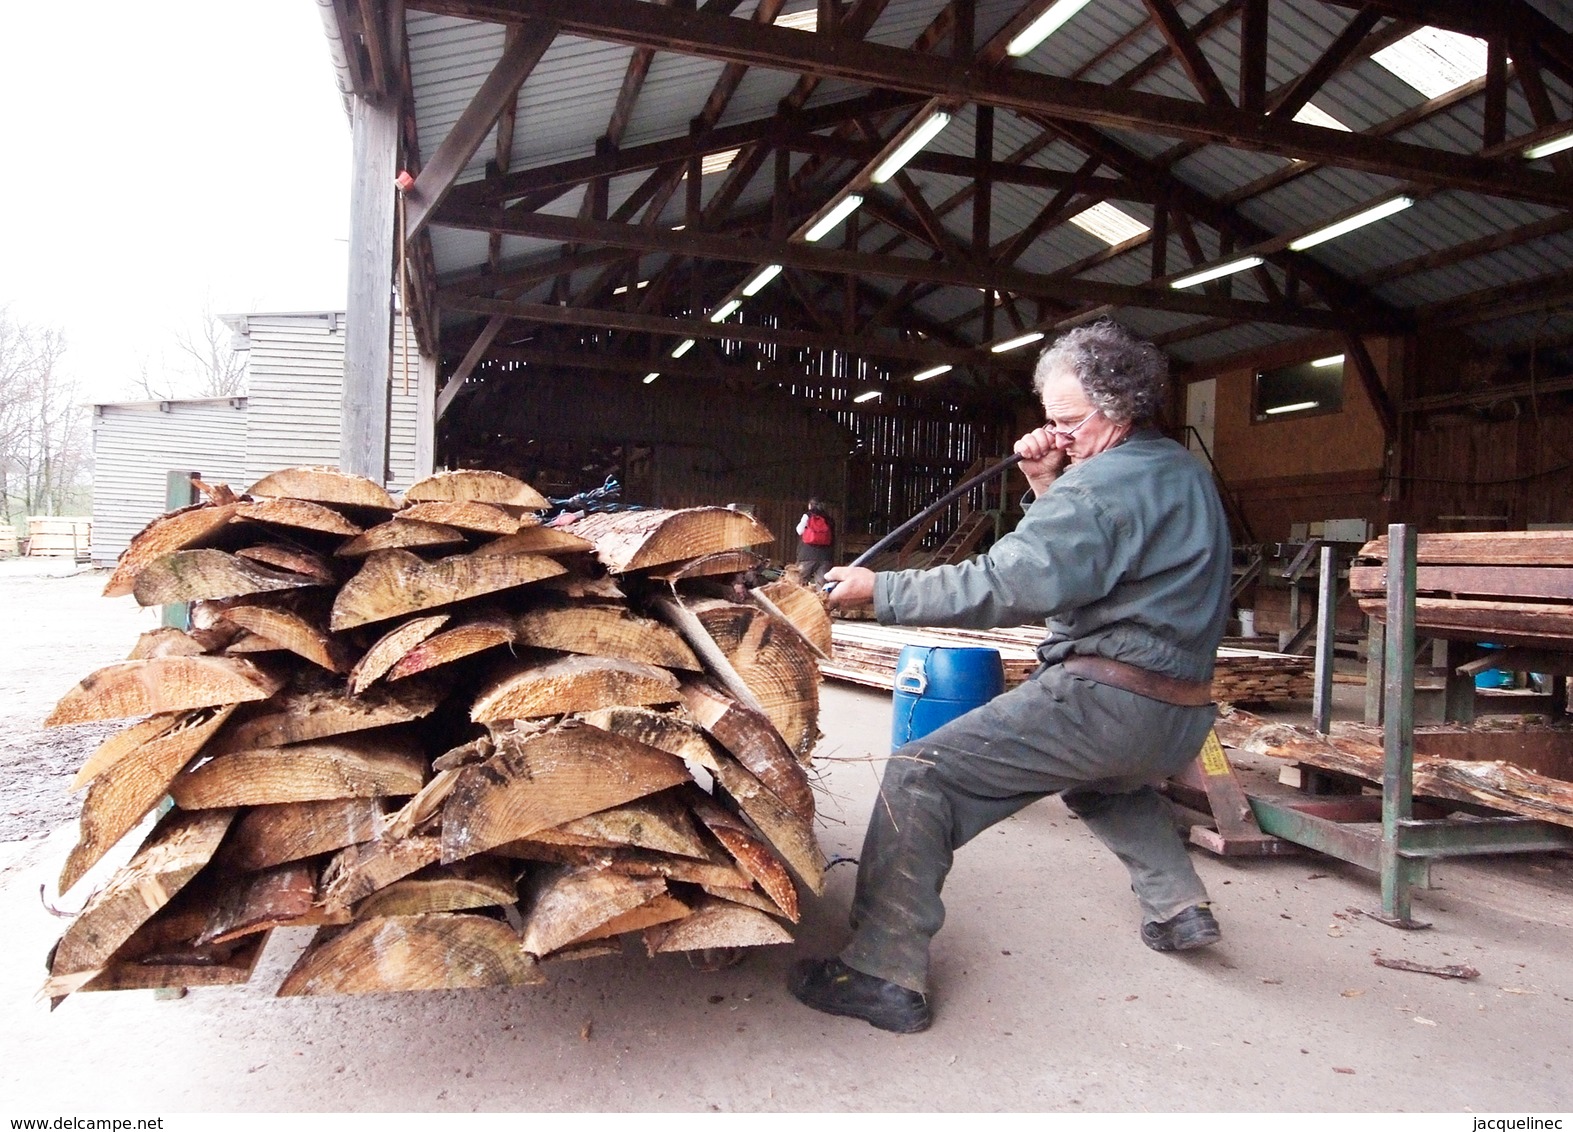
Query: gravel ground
58,630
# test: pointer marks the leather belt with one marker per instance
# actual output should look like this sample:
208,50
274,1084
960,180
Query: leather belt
1129,678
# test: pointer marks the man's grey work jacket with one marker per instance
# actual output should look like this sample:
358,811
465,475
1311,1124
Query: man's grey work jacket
1126,556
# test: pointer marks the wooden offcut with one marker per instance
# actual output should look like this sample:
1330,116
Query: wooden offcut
440,951
358,871
393,583
774,661
317,713
292,560
400,534
483,882
126,791
322,485
390,648
790,834
659,822
531,690
176,849
265,836
175,531
163,684
801,607
637,540
538,540
355,766
751,854
481,518
604,629
197,575
544,780
716,924
476,485
292,632
262,901
473,635
300,514
569,904
754,742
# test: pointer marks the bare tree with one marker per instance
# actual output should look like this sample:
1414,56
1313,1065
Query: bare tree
204,364
44,449
217,369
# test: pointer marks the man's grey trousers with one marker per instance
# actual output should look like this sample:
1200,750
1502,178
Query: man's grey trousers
1101,747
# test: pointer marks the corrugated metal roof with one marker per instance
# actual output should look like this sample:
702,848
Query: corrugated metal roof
567,101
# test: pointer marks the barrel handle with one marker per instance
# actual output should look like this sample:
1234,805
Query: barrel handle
914,677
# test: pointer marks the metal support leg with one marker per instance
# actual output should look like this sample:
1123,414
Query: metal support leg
1559,697
1326,630
1398,873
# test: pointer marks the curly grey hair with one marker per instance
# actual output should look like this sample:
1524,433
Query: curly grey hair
1125,378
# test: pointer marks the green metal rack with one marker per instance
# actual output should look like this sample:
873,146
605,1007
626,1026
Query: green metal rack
1385,835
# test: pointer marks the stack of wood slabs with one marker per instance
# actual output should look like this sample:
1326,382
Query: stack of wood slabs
1511,587
49,536
453,740
1509,765
866,654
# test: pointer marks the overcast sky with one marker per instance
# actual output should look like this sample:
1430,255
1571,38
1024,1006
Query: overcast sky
154,154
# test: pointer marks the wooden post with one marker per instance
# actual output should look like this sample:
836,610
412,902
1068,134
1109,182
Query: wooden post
180,490
368,332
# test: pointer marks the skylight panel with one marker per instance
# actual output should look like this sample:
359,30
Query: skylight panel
716,162
806,20
1109,224
1313,115
1434,61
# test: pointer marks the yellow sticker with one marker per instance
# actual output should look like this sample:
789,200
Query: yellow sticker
1213,760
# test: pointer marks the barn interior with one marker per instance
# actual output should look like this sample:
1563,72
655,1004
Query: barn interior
755,251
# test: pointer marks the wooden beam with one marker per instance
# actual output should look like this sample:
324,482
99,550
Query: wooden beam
1253,56
1543,293
1339,52
472,358
500,89
1188,51
1485,245
735,41
1371,381
813,257
774,130
368,322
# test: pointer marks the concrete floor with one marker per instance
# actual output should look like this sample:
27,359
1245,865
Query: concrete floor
1045,998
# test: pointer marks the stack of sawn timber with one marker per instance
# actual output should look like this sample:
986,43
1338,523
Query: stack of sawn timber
866,654
453,739
1510,587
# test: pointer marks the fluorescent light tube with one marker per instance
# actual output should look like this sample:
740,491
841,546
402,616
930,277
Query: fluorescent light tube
1017,342
1295,408
870,395
827,223
1331,360
1547,148
1209,274
649,377
1044,26
910,148
1349,224
683,347
725,310
760,281
928,373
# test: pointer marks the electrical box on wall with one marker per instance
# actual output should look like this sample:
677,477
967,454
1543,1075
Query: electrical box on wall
1346,530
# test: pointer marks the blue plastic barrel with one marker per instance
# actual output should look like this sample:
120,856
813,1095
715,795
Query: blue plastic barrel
936,685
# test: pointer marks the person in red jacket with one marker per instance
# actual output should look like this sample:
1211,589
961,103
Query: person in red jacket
816,535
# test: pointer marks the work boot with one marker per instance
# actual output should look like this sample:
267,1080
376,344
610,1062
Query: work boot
1194,927
830,986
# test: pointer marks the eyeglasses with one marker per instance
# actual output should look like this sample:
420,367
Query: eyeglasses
1067,433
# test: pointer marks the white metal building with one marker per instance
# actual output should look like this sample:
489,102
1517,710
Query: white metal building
289,416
